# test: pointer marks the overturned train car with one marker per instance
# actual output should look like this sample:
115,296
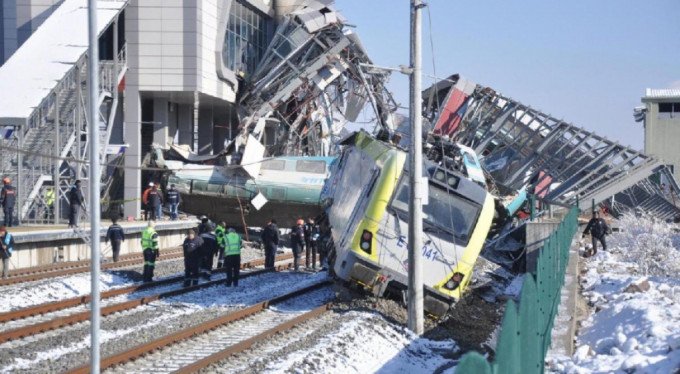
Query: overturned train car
291,186
367,209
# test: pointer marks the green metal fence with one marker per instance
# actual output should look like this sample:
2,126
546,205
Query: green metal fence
525,333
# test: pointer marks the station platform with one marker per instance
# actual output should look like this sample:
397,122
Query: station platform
40,245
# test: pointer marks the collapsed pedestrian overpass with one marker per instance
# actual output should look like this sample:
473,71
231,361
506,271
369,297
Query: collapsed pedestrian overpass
522,146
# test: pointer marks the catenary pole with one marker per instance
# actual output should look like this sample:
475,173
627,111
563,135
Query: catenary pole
93,177
415,231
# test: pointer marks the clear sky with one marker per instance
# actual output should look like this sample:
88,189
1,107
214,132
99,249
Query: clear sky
587,62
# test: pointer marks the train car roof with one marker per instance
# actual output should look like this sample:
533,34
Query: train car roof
464,187
326,159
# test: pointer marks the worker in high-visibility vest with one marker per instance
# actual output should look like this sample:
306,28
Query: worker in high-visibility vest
232,257
49,203
150,250
221,236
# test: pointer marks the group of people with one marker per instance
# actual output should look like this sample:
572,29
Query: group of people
203,244
153,200
8,197
304,237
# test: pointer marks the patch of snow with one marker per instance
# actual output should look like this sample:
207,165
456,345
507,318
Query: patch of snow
368,344
630,331
650,243
25,295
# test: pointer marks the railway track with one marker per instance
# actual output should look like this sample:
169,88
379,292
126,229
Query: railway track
75,267
197,347
51,316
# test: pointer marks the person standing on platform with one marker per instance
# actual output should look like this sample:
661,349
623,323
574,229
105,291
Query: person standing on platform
221,237
173,201
8,198
270,239
232,257
297,242
145,202
116,234
150,251
192,251
76,200
6,249
49,203
155,203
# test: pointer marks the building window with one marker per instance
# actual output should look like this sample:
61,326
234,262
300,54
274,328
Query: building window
669,110
246,39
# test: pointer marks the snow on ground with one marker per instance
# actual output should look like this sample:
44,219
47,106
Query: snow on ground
630,331
29,294
368,344
217,298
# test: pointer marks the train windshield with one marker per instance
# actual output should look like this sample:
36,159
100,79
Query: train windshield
445,210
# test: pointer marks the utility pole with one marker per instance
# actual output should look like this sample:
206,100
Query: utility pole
94,176
415,227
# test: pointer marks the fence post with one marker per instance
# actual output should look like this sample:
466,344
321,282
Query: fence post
528,329
508,347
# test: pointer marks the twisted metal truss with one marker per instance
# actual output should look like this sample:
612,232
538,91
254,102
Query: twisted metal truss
522,146
309,84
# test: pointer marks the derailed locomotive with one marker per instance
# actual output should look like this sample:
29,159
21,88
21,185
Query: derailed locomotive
366,201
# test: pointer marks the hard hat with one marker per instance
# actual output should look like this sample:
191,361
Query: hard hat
151,184
6,180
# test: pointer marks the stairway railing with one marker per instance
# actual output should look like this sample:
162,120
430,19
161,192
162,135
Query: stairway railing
66,103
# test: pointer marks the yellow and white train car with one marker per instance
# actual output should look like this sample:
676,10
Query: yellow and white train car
367,210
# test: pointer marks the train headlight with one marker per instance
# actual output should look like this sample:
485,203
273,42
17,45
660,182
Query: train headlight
454,282
366,241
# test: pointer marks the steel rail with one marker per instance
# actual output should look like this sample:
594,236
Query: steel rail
79,317
43,273
75,301
73,264
248,343
187,333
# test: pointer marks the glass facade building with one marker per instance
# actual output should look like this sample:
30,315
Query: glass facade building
247,37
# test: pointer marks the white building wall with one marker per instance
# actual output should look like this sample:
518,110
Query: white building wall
164,39
176,42
661,137
172,48
209,83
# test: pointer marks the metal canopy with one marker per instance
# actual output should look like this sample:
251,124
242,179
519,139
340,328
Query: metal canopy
521,146
309,84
